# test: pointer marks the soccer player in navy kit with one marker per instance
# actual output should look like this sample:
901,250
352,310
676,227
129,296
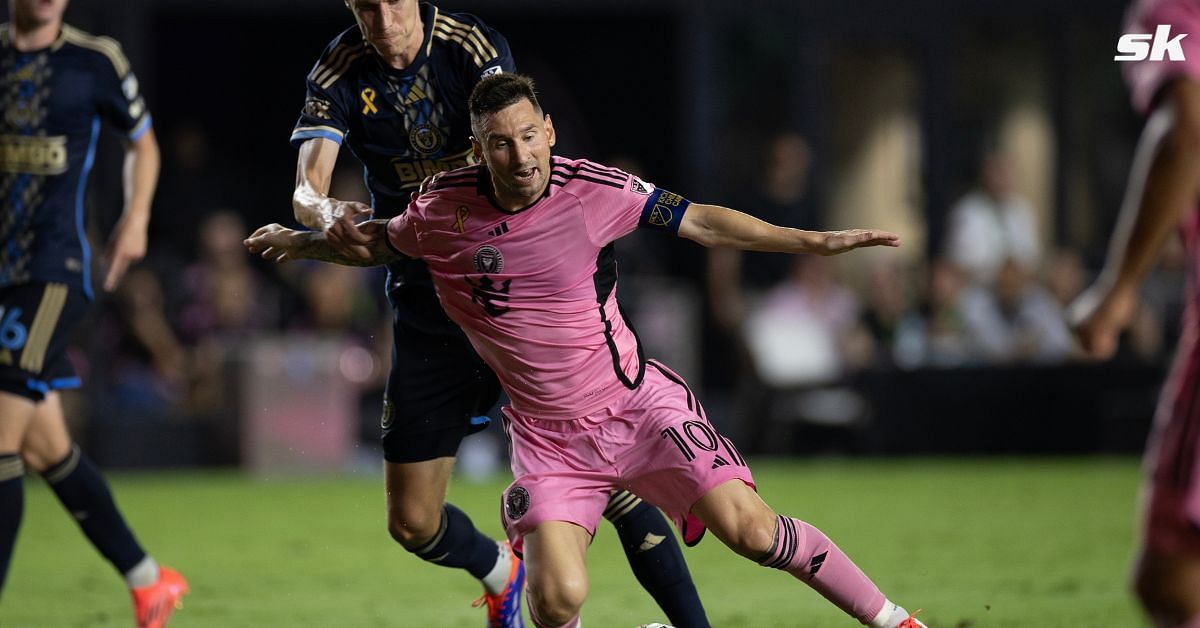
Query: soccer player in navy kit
395,90
57,84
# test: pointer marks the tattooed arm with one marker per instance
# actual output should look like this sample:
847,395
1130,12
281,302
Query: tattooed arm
278,243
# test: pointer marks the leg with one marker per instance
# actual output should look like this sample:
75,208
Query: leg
741,520
556,559
656,559
16,412
1168,586
84,493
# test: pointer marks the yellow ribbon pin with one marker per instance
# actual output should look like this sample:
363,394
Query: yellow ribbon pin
368,98
460,225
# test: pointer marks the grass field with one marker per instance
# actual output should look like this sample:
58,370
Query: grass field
1007,542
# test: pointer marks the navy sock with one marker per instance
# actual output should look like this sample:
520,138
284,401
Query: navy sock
458,544
12,504
656,559
84,493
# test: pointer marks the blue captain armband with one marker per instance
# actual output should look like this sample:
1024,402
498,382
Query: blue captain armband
664,211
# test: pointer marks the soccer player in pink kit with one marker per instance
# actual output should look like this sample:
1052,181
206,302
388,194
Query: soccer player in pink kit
521,252
1162,197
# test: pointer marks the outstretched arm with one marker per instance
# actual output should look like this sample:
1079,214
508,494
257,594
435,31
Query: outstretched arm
278,243
716,226
1164,181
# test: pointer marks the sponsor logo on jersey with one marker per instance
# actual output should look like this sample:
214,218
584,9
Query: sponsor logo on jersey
27,154
425,138
516,502
488,260
413,172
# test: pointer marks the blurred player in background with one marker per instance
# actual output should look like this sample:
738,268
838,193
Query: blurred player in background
521,250
395,89
1161,199
58,84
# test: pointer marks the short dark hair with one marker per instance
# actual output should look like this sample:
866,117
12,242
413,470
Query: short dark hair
497,92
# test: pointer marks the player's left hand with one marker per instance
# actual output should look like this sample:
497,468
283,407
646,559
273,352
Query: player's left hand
274,241
836,242
126,246
1097,318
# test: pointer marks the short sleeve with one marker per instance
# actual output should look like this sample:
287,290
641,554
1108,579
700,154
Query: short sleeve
636,203
120,100
402,236
323,115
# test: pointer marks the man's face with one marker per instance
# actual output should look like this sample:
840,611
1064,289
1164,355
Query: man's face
515,144
34,13
388,25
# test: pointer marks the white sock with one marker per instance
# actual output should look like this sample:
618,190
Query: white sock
889,616
143,574
497,578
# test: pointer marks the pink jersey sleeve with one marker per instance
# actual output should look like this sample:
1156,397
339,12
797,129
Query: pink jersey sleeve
1148,77
401,235
616,210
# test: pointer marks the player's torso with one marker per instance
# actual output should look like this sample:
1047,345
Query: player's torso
406,125
48,130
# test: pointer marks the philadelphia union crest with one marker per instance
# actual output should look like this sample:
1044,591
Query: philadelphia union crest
488,260
516,502
425,138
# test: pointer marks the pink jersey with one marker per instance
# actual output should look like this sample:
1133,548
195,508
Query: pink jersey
1146,78
535,289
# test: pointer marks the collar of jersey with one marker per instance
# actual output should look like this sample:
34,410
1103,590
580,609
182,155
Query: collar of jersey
485,189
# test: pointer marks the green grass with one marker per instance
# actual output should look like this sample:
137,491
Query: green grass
974,542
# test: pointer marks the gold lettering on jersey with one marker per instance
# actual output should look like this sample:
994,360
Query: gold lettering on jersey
368,98
32,154
460,218
412,173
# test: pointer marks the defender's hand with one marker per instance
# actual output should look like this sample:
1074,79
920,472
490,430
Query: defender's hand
1097,318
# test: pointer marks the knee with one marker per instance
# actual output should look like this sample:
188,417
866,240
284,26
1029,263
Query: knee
750,533
413,526
556,603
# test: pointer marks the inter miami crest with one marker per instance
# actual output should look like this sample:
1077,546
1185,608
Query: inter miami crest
516,502
488,260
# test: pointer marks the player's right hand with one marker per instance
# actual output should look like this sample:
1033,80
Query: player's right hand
274,241
1097,318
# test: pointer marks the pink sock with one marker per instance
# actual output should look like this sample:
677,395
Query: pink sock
806,553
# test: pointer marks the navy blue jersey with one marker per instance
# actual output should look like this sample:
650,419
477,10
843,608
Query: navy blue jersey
404,125
53,101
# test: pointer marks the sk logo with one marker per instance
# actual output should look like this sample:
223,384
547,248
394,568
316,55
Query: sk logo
368,98
460,220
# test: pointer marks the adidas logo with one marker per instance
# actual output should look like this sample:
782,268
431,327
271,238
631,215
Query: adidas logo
652,540
501,230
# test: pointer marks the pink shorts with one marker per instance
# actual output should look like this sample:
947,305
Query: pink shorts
1171,499
655,442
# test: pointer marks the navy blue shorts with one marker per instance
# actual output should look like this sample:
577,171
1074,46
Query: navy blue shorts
36,323
438,392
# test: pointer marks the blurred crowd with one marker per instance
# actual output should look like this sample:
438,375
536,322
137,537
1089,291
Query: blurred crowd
173,339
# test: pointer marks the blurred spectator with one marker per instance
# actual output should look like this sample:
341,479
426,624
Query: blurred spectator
942,339
805,329
225,293
992,224
1018,320
147,366
889,317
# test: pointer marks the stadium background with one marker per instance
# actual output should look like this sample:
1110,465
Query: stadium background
1020,465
